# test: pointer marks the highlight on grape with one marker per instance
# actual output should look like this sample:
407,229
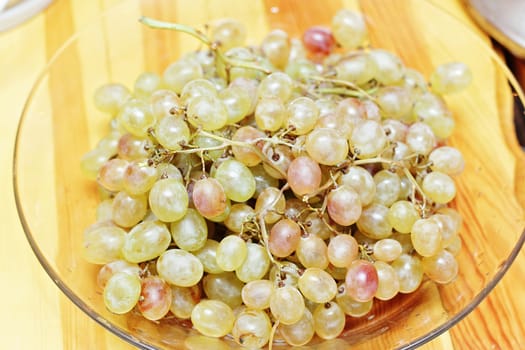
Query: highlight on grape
270,192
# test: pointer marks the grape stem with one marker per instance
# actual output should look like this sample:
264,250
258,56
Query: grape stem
213,46
355,91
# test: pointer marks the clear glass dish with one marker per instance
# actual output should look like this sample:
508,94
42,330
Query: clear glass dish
60,123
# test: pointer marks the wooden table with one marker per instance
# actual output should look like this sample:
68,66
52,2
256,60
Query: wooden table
36,315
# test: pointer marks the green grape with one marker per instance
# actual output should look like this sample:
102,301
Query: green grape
212,318
388,282
317,285
110,97
276,47
136,117
122,292
228,32
270,113
329,320
191,232
361,181
395,102
277,84
368,139
139,178
388,187
231,253
113,267
146,241
374,222
236,179
111,174
312,252
300,332
447,160
441,267
342,250
184,299
196,88
179,267
420,138
287,305
409,272
172,132
439,187
240,213
225,287
263,180
208,256
357,68
256,294
238,103
146,84
326,146
256,264
131,147
349,29
402,215
270,203
129,210
93,161
165,102
426,237
387,249
350,306
168,200
207,112
103,245
252,329
177,74
390,69
249,135
450,77
302,115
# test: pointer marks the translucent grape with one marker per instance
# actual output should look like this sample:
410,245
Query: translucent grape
329,320
326,146
256,264
300,332
278,159
139,178
374,222
256,294
409,272
246,155
146,241
270,113
228,32
110,97
387,249
146,84
361,280
212,318
231,253
317,285
196,88
103,245
343,205
450,77
164,103
111,174
439,187
388,282
111,268
240,213
342,250
179,267
180,72
420,138
390,69
207,112
388,187
263,180
252,329
122,292
312,252
238,103
287,305
350,306
368,139
236,179
183,300
276,85
276,47
191,232
172,132
155,298
270,203
395,102
318,224
225,287
131,147
447,160
136,117
168,200
441,267
302,115
349,29
356,68
426,237
361,181
208,256
129,210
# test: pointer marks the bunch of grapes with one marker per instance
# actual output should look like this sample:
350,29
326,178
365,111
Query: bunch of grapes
270,192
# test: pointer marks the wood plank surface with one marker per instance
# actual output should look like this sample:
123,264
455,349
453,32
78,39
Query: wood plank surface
36,313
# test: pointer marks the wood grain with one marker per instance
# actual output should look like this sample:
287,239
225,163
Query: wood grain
42,317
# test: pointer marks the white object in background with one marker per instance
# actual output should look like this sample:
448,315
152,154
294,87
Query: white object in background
19,12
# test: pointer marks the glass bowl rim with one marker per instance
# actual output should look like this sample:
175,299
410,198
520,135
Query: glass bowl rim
126,336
